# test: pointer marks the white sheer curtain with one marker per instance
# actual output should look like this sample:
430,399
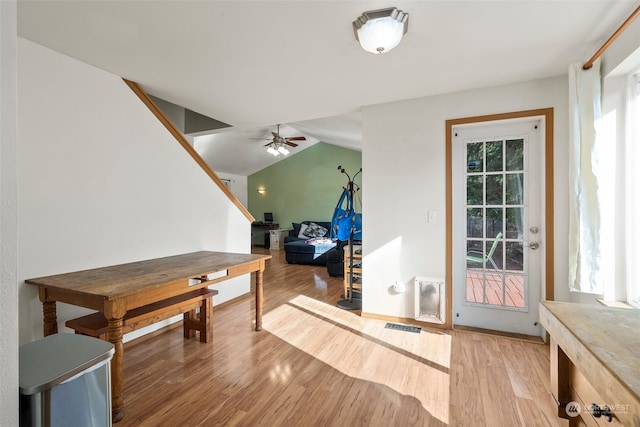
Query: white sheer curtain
632,213
584,171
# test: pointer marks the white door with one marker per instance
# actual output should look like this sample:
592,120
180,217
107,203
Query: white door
497,225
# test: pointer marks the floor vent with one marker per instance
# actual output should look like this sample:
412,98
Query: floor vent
415,329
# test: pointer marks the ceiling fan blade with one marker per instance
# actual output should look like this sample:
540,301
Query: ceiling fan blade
296,138
266,145
291,144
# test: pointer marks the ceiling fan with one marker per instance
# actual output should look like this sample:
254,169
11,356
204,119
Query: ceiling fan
277,144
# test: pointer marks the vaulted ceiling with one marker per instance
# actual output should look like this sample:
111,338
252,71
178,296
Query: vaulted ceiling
253,64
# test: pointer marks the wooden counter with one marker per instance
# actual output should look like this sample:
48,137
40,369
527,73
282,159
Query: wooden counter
595,359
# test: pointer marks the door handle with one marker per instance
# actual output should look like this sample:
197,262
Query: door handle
534,245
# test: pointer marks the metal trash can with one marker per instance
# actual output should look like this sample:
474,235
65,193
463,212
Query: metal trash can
65,380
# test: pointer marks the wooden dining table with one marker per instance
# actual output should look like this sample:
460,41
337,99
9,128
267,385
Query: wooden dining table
116,289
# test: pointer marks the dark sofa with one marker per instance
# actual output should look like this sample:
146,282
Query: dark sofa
299,251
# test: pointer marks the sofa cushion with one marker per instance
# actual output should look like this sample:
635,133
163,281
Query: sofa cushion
300,247
310,248
306,258
298,225
315,230
302,234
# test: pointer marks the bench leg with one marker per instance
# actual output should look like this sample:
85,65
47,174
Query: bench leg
206,315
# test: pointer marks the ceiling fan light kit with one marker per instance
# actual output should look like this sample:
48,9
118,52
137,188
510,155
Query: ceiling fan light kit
277,144
283,150
379,31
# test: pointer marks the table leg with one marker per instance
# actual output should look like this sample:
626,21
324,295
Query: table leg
206,318
50,317
259,299
114,335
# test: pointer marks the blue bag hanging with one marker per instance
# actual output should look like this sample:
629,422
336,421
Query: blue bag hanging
346,220
338,214
350,221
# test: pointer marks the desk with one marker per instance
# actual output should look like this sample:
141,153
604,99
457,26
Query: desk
261,229
594,360
116,289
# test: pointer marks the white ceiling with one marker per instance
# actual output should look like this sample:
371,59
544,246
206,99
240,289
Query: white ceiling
253,64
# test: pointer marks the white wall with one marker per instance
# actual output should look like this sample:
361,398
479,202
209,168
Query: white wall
404,172
8,218
238,186
102,182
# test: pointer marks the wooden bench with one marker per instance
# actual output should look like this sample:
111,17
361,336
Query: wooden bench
95,324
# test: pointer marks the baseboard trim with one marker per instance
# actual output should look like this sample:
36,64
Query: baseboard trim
520,337
458,328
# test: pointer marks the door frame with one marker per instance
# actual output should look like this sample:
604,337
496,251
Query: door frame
547,114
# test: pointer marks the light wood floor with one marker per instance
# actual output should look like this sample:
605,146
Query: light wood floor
317,365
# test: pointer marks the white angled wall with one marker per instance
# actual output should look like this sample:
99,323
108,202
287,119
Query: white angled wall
102,182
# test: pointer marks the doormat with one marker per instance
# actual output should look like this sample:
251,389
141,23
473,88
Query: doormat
415,329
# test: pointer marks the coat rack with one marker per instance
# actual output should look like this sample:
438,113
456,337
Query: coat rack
350,303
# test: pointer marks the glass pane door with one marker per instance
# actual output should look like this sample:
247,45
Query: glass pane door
495,218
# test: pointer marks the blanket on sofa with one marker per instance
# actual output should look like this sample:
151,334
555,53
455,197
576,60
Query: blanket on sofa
322,244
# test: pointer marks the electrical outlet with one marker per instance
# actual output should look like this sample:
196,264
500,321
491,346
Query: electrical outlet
432,217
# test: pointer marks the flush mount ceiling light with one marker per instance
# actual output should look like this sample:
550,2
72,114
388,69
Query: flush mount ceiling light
379,31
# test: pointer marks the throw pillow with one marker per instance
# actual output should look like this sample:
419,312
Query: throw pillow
296,228
302,234
315,230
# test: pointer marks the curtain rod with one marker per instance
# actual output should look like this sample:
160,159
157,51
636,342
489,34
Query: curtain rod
614,36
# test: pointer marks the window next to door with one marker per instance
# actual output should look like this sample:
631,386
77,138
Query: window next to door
632,180
621,245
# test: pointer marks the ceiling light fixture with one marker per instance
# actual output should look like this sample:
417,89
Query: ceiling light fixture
277,148
283,150
379,31
278,144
